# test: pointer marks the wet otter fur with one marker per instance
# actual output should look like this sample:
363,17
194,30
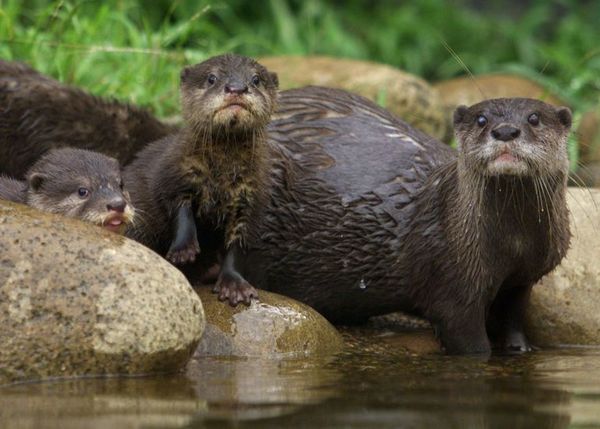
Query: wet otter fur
38,113
75,183
209,181
369,216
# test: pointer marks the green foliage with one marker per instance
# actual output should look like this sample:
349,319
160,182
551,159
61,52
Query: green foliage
134,50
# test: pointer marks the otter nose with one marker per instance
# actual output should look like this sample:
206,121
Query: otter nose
236,88
506,133
117,205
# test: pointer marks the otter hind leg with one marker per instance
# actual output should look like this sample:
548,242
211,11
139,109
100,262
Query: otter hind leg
185,247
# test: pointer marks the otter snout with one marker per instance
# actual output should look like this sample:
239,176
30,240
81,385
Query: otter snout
117,204
237,88
506,132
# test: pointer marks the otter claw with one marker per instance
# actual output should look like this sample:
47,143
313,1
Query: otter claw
235,291
184,255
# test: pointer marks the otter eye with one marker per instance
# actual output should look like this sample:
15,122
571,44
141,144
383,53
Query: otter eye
255,80
534,119
481,121
83,192
211,79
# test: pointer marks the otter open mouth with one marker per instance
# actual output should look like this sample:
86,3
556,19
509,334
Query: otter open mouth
234,106
506,163
115,223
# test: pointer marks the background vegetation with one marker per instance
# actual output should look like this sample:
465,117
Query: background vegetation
134,49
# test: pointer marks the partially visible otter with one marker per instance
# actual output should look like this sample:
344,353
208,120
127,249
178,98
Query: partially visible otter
38,113
213,173
75,183
369,216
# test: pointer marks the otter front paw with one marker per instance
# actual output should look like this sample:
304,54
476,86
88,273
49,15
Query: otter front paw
234,289
515,343
183,254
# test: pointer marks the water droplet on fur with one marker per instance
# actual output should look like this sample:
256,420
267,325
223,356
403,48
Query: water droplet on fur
362,284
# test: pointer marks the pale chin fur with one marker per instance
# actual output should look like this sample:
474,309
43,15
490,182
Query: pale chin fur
101,219
492,149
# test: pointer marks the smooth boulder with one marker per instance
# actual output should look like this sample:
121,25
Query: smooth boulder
77,300
469,90
565,305
273,327
403,94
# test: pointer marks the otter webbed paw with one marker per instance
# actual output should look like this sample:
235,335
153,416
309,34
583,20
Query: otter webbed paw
233,288
183,253
515,342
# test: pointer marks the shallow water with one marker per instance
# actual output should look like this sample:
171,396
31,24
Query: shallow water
375,383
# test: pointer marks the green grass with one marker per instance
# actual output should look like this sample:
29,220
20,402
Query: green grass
134,50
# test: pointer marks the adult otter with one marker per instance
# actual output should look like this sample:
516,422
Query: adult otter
214,172
75,183
38,113
369,216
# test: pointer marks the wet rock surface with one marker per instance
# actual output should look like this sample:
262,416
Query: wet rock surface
78,300
565,305
274,327
403,94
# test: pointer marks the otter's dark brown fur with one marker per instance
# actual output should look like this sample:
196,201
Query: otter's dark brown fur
75,183
12,189
38,113
369,216
213,173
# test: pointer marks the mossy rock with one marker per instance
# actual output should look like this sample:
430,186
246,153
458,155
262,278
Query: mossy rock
469,90
406,95
273,327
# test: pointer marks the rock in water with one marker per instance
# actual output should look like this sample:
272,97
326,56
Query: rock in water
565,305
78,300
274,327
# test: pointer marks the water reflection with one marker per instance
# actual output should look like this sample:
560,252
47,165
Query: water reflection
376,383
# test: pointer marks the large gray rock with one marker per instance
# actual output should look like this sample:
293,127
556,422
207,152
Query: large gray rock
565,305
76,299
274,327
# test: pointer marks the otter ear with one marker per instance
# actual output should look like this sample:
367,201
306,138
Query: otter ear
35,181
459,114
274,78
564,116
185,73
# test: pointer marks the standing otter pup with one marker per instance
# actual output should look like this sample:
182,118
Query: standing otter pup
37,113
369,216
75,183
213,173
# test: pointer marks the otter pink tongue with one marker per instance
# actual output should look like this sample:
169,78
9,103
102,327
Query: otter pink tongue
506,157
115,222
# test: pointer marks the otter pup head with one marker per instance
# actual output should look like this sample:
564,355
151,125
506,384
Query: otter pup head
228,94
513,137
81,184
